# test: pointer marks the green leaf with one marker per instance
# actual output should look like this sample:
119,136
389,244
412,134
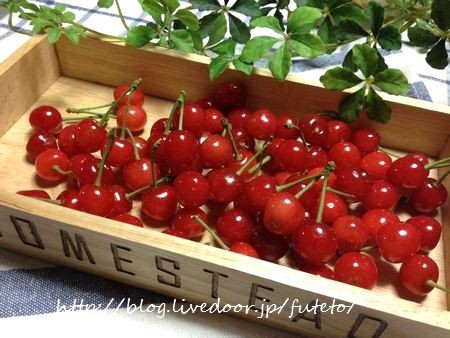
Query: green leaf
327,32
365,58
440,13
73,34
392,81
267,22
154,8
197,40
351,12
348,62
421,37
238,30
243,67
390,38
307,45
60,7
171,5
352,27
247,7
303,19
351,105
375,15
105,3
182,40
54,34
219,29
256,48
281,62
218,66
381,63
139,36
69,16
376,108
207,24
205,5
339,79
39,24
226,47
437,57
188,18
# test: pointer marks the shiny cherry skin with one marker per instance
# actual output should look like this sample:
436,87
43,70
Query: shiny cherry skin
37,193
88,170
121,153
366,140
334,208
374,219
141,146
69,198
421,157
137,98
90,136
245,249
416,271
331,178
291,155
47,160
269,246
191,189
338,131
213,120
122,205
398,241
407,172
230,95
236,165
262,124
382,195
193,120
273,165
317,157
138,173
282,176
77,160
96,200
283,130
345,153
352,180
207,103
129,219
216,152
430,230
314,128
135,119
234,226
259,191
315,243
239,118
283,214
243,139
356,268
376,165
181,148
184,221
318,270
225,186
39,141
67,141
159,126
351,234
160,203
46,118
310,197
429,196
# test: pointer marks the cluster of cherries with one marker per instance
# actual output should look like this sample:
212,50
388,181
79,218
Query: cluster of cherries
274,184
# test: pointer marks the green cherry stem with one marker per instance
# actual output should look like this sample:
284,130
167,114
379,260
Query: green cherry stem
132,194
340,193
442,178
58,169
122,18
255,156
177,103
211,232
133,143
124,128
306,188
228,128
389,152
322,198
300,180
442,162
152,160
181,122
257,166
101,165
433,284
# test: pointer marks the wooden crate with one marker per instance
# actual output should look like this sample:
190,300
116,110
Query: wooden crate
66,75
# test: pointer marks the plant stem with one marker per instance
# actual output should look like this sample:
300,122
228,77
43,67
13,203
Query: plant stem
257,166
322,199
437,163
177,103
181,120
300,180
119,10
211,232
133,143
101,165
58,169
442,178
259,152
340,193
152,160
384,150
82,110
130,195
432,284
306,188
100,34
228,128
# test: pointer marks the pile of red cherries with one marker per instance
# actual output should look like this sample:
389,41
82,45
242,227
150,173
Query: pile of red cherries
263,185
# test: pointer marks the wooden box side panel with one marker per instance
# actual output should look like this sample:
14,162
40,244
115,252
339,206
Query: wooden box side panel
165,73
203,274
25,76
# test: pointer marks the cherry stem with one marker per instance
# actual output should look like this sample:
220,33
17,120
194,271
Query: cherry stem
442,178
387,151
300,180
86,110
133,143
130,195
211,232
181,120
228,128
433,284
258,166
101,165
444,161
340,193
322,199
177,103
152,160
58,169
123,127
443,165
306,188
255,155
368,248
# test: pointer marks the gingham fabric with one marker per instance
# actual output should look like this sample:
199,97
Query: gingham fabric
30,289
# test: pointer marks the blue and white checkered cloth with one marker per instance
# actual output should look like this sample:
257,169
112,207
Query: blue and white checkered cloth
30,289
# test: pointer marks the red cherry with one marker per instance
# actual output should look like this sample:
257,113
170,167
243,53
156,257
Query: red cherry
35,193
244,249
314,128
96,200
309,198
137,98
262,124
122,205
184,221
138,173
366,140
273,165
283,214
160,203
430,230
77,160
407,172
236,165
315,243
338,131
141,146
39,141
241,202
191,189
121,153
331,177
159,126
216,152
269,246
318,270
344,153
47,160
90,136
230,95
398,241
376,165
416,271
234,226
282,176
382,195
243,139
291,155
213,120
357,269
67,140
88,170
260,190
374,219
351,234
207,103
181,148
334,207
239,118
193,118
352,180
69,198
46,118
429,196
136,118
421,157
317,157
129,219
176,233
225,185
283,130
